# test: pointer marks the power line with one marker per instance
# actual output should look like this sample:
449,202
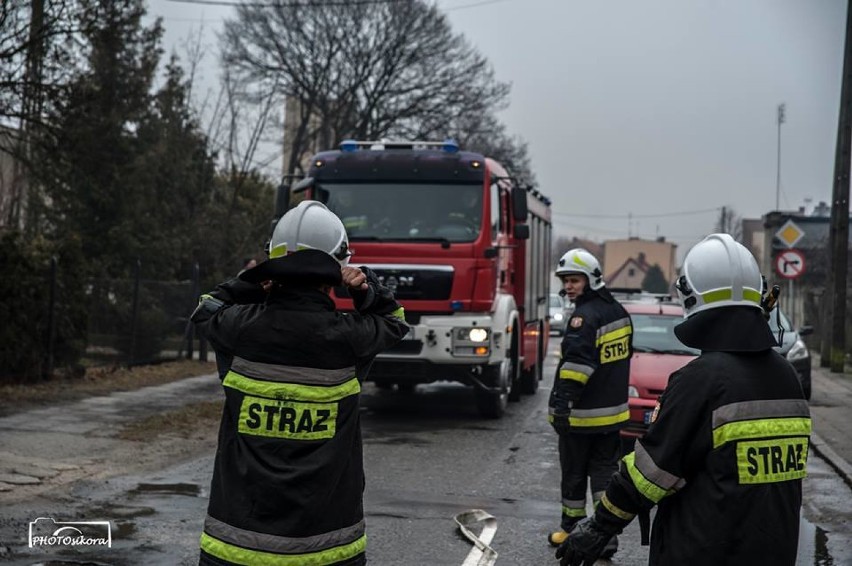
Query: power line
474,5
294,4
631,216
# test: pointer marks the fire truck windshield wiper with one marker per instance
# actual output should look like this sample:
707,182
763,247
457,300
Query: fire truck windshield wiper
443,241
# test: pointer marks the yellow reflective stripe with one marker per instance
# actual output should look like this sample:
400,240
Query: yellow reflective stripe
247,556
615,510
717,295
571,512
761,428
599,421
727,294
751,295
273,390
399,313
278,251
647,488
573,375
614,335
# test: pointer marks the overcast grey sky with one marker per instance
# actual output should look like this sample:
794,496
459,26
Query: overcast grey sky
643,118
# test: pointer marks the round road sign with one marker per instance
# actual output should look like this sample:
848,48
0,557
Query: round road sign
790,264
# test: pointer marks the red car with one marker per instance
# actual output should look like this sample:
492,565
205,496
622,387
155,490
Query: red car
657,353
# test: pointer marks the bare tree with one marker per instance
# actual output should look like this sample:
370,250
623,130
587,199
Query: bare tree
361,70
730,222
38,54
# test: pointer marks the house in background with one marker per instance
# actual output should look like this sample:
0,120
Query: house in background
630,275
626,262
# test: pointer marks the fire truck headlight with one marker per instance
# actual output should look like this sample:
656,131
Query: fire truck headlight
478,335
471,341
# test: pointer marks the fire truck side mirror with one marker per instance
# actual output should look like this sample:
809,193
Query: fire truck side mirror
522,231
303,185
282,201
519,205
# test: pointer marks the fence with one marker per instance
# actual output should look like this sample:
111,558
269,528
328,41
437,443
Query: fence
131,321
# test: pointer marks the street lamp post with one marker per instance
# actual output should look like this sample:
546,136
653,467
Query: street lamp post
781,117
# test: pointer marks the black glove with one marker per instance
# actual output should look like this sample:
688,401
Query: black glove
560,423
376,298
584,544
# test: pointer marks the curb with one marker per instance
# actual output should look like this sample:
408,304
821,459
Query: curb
824,451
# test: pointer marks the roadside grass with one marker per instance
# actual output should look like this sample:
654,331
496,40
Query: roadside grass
185,422
97,381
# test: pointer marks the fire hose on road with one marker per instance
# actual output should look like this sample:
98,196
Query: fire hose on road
481,554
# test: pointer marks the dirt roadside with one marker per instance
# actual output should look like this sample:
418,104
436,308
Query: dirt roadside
45,448
96,381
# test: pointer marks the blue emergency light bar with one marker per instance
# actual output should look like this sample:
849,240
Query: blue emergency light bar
449,145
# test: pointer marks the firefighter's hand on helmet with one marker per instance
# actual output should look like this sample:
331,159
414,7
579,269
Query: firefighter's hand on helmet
354,278
372,296
584,544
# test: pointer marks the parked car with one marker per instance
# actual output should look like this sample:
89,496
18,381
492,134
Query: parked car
793,347
657,353
560,311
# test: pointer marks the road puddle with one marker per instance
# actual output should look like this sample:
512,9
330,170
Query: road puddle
826,548
188,489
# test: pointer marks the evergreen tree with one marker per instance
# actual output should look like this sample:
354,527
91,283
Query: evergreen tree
655,281
90,174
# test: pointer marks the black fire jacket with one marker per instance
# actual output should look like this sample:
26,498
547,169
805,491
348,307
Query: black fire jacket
590,387
725,457
288,476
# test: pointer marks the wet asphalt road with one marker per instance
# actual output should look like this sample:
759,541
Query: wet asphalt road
428,456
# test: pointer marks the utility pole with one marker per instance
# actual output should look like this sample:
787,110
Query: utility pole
839,232
782,108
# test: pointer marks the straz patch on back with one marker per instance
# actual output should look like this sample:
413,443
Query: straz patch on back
769,461
287,419
614,350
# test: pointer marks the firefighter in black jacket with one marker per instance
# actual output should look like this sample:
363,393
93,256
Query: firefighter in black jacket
588,404
725,456
288,477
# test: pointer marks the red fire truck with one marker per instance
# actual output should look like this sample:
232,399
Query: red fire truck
464,247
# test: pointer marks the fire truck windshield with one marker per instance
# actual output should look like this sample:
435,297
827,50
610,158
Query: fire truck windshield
408,211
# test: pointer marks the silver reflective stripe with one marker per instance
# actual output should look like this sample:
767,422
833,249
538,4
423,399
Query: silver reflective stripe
600,412
748,410
574,503
290,374
410,266
615,325
278,544
582,368
653,473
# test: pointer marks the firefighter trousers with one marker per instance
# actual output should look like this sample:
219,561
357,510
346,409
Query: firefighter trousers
587,460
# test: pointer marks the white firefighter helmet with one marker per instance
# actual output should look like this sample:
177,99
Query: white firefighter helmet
719,272
582,261
310,225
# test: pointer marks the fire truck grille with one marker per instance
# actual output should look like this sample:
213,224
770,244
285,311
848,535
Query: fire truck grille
416,283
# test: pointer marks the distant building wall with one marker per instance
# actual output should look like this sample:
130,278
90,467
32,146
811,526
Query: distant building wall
13,186
313,140
804,299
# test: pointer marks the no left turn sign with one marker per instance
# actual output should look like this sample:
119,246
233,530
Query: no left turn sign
790,264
